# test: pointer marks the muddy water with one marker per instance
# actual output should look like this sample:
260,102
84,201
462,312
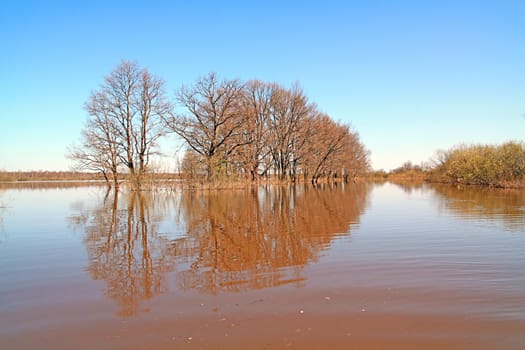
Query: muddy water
346,267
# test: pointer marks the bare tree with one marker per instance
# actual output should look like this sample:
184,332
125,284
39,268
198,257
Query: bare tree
137,103
212,120
256,110
152,106
98,149
325,146
124,122
354,160
289,111
192,165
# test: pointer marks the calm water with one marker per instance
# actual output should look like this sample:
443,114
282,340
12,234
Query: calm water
368,266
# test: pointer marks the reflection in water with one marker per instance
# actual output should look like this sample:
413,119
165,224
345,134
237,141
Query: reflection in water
505,206
125,248
479,204
232,241
242,240
409,186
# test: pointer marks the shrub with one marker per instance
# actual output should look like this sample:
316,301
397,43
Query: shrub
485,164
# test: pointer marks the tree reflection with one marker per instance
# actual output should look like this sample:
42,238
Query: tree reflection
229,240
409,186
261,238
125,249
505,206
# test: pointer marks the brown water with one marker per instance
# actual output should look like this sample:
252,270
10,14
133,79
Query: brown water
336,267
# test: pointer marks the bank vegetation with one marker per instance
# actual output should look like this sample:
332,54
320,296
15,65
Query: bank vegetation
500,165
488,165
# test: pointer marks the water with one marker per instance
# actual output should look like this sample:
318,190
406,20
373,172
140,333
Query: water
365,266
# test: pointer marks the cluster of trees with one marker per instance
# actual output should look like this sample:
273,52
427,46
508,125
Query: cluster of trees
253,129
489,165
259,129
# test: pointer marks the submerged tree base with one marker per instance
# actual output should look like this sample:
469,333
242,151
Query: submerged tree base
193,184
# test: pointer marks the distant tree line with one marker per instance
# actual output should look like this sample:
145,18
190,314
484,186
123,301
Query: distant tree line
407,167
45,175
231,128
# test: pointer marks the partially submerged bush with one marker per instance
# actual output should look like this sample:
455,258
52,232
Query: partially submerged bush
485,164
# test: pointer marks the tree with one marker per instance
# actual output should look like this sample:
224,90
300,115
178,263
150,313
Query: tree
153,106
325,146
137,104
256,110
124,122
354,160
212,120
192,165
98,149
286,128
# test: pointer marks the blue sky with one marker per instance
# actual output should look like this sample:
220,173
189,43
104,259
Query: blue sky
411,77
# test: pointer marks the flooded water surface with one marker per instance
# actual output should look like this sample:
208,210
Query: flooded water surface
364,266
